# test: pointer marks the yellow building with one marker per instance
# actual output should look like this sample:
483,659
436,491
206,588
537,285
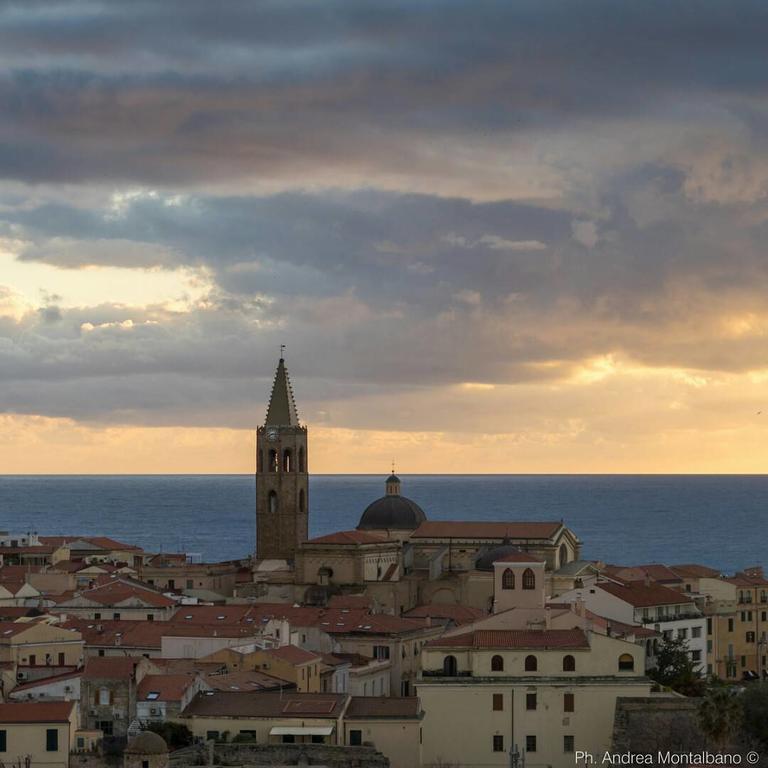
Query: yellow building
35,649
44,732
550,692
289,662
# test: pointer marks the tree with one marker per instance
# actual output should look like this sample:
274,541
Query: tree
754,701
720,715
176,735
675,668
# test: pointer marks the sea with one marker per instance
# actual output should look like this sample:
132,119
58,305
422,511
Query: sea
716,520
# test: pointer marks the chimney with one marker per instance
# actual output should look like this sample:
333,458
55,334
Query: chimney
647,579
428,621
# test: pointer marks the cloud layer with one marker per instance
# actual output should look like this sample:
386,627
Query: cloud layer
468,219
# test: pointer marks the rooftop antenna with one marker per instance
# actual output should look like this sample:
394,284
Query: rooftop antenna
393,466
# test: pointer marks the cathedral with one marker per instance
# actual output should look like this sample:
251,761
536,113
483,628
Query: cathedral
396,558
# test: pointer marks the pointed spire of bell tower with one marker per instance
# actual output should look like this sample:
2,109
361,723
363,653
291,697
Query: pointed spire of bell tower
282,407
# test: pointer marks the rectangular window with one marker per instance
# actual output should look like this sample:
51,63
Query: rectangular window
498,743
52,740
380,652
3,741
212,736
62,661
190,584
355,738
289,738
695,631
318,739
709,626
530,701
569,702
750,637
97,615
568,744
743,661
763,615
150,617
530,743
116,616
32,660
498,702
730,625
682,633
107,727
695,655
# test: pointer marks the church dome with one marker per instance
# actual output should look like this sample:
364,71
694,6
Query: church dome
147,743
392,511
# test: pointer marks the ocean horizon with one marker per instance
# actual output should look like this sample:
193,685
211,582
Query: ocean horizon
628,519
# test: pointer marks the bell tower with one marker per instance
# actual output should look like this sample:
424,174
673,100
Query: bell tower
282,480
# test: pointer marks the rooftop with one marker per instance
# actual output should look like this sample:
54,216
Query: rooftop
441,529
533,639
36,712
284,705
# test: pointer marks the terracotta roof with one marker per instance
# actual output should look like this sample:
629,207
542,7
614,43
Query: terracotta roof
658,572
36,712
283,705
294,655
440,529
515,638
13,628
103,542
119,634
693,570
117,590
747,580
167,687
350,537
247,680
375,707
110,667
642,595
458,614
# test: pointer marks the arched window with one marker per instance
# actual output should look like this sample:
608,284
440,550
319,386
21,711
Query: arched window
626,662
301,459
449,666
563,555
569,663
529,579
273,503
497,664
508,579
260,461
302,501
531,664
287,460
273,466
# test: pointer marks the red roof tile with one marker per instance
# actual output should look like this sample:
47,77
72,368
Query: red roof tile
350,537
293,654
642,595
459,614
383,707
440,529
36,712
167,687
515,638
110,667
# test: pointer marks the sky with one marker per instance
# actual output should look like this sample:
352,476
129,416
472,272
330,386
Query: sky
502,237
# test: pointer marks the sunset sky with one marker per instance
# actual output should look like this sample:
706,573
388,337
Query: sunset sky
494,236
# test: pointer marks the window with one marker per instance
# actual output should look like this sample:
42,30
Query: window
530,743
531,664
145,764
355,738
695,631
316,739
107,727
32,660
695,655
52,740
750,638
116,616
569,702
273,460
211,735
498,743
530,701
104,697
97,615
567,743
62,660
529,579
682,633
626,662
730,625
380,651
763,615
563,555
497,664
289,738
150,617
101,652
569,663
449,666
287,460
3,741
508,579
273,505
498,702
743,661
190,583
709,626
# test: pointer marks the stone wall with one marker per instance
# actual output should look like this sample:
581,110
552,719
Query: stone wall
654,723
279,754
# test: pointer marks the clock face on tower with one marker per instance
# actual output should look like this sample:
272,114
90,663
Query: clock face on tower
271,434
